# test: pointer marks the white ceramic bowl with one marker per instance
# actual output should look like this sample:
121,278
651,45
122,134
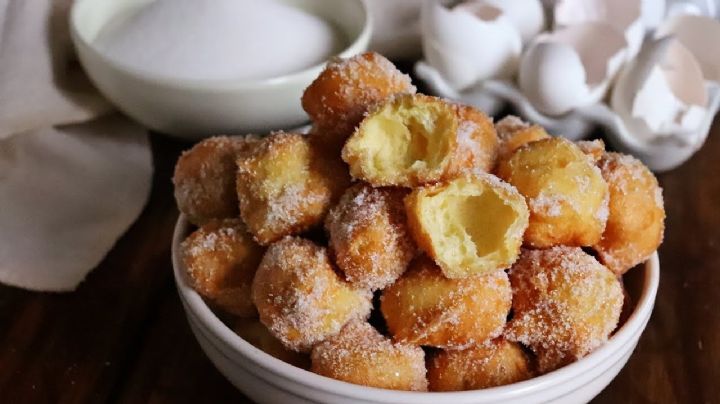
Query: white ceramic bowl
194,109
266,379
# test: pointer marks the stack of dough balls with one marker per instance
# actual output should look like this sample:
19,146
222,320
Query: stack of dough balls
407,242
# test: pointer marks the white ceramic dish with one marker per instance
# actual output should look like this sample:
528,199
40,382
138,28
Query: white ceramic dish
199,108
268,380
492,95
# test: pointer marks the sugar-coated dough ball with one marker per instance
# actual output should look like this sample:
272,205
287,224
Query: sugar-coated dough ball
299,296
339,97
471,225
495,363
416,139
221,259
254,332
286,185
565,304
205,178
361,355
636,221
514,133
565,191
594,149
368,236
425,308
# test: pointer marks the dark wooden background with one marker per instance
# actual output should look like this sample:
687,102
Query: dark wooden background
122,336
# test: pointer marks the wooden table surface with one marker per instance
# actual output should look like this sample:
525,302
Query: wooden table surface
122,336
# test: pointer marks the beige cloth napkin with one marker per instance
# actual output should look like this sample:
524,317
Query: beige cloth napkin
72,177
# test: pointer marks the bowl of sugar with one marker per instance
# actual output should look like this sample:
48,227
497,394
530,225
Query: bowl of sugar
195,68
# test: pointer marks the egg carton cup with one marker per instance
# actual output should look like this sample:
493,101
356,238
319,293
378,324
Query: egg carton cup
661,154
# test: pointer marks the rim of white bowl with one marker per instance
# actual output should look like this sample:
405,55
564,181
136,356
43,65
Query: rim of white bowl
358,43
219,330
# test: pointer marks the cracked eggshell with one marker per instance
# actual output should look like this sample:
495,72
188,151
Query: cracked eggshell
528,16
699,34
662,93
626,16
396,27
571,68
470,43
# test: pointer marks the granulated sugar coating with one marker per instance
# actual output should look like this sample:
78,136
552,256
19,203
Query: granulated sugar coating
368,236
221,259
205,178
219,39
361,355
565,304
299,296
496,363
425,308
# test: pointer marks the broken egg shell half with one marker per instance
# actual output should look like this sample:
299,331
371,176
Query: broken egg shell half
468,47
625,16
662,93
699,34
572,67
528,16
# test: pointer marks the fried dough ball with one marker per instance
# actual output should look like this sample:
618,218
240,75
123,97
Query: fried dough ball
286,185
361,355
514,133
472,225
338,99
636,221
299,296
565,304
417,139
425,308
594,149
254,332
221,259
205,178
566,194
496,363
368,236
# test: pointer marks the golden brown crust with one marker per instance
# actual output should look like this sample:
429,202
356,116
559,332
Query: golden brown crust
425,308
254,332
286,185
361,355
565,191
204,178
636,220
514,133
470,226
221,259
594,149
368,236
411,140
565,304
300,298
340,96
497,363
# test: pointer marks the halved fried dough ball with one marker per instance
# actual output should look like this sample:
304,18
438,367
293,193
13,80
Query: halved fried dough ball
368,236
286,186
339,97
221,259
496,363
566,194
361,355
594,149
205,178
425,308
417,139
254,332
565,304
299,296
514,133
472,225
636,221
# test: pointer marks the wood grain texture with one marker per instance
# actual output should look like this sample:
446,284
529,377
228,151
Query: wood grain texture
122,336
